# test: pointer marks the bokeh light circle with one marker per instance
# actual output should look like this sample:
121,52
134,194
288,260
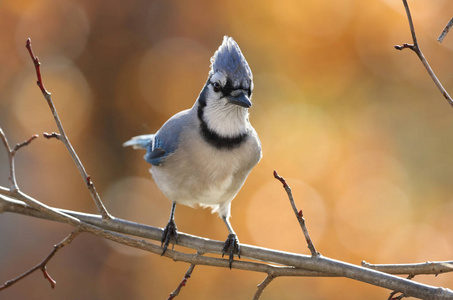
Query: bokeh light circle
71,95
179,63
59,26
136,199
271,220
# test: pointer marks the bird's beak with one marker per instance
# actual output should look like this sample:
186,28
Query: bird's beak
241,100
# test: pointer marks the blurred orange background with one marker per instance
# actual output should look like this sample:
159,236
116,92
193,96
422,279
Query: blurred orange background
357,128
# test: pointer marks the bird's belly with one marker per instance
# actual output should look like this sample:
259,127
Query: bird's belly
212,185
198,173
217,193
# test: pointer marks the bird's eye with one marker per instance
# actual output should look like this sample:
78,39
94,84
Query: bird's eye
216,87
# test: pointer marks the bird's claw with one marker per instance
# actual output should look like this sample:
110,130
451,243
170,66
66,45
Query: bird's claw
170,232
232,247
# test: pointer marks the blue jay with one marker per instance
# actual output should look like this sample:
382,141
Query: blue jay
204,154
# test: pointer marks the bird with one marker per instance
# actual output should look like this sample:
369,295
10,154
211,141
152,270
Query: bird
204,154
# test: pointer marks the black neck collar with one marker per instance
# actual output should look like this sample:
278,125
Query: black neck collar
211,137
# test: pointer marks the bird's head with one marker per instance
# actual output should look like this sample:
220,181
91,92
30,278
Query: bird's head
230,79
224,101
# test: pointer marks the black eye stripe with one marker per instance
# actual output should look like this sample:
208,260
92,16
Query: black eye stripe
228,88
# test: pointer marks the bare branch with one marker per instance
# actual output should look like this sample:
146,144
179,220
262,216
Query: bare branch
445,31
37,68
154,233
51,135
182,283
12,172
262,286
43,264
25,143
416,48
42,208
411,24
298,213
291,264
404,46
11,153
64,138
430,267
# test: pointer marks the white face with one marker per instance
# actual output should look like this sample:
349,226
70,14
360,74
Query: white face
223,117
217,84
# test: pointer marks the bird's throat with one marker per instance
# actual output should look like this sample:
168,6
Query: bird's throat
223,129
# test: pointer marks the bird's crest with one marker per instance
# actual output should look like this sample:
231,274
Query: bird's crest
229,59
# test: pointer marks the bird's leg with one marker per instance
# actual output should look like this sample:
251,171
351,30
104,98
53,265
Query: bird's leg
170,231
232,243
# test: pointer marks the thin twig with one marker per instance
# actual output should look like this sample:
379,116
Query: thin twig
51,135
298,213
42,208
430,267
182,283
262,286
445,31
24,143
12,172
43,264
11,153
64,138
416,48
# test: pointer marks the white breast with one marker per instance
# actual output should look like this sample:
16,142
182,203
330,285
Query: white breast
204,175
223,118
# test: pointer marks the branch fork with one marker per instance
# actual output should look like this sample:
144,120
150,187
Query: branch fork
416,48
11,153
43,264
15,192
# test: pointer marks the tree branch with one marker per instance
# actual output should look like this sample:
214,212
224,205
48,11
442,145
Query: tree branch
183,282
43,264
445,31
416,48
298,213
64,138
277,263
262,286
11,153
429,267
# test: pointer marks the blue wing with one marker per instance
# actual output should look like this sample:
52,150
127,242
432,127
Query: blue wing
158,150
166,140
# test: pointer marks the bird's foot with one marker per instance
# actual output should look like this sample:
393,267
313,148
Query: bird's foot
231,247
170,233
